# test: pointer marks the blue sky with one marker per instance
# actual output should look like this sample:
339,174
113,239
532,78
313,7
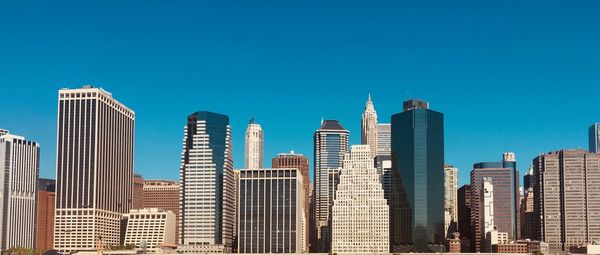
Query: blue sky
520,76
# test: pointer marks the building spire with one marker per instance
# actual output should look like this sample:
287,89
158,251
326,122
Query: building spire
252,120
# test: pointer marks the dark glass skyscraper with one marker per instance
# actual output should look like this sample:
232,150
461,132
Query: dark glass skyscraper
417,208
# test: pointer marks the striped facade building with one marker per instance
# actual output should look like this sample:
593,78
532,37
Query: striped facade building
207,185
271,215
19,171
148,228
94,168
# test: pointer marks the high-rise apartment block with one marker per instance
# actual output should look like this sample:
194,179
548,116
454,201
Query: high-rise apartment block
207,185
504,178
148,228
300,162
594,138
45,214
330,146
19,171
384,138
271,213
369,128
94,168
566,198
450,200
163,194
360,212
417,208
254,146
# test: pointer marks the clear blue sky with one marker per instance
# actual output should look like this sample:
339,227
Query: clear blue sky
520,76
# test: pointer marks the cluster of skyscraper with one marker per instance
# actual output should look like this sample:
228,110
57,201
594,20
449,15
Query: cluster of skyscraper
392,193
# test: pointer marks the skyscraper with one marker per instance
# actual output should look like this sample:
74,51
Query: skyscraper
254,146
330,146
450,202
360,212
486,205
271,215
384,136
207,175
368,131
45,214
19,171
383,163
300,162
566,198
464,217
594,138
504,177
94,168
417,222
527,215
163,194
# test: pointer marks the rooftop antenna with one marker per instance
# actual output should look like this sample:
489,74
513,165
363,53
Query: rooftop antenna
321,120
252,120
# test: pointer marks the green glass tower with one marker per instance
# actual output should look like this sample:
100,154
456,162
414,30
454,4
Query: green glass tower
417,208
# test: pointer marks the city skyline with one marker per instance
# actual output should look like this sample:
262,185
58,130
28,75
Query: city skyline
477,70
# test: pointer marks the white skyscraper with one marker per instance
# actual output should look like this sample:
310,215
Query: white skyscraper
94,168
360,218
384,138
19,170
207,185
254,146
450,200
368,131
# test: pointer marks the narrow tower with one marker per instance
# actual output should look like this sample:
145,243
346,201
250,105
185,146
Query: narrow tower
368,134
254,146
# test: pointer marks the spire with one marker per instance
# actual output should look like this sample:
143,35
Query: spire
369,99
251,120
321,120
369,105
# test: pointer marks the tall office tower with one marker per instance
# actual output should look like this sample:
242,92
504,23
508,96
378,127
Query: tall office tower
148,228
271,215
528,179
207,175
369,128
138,192
594,138
527,215
330,146
505,178
254,146
450,202
417,222
383,163
45,214
464,217
567,198
19,170
94,168
163,194
384,137
360,218
486,205
299,161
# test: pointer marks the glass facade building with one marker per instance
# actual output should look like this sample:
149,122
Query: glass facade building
417,207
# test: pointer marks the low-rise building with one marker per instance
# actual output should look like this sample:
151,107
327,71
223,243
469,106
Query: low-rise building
148,228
